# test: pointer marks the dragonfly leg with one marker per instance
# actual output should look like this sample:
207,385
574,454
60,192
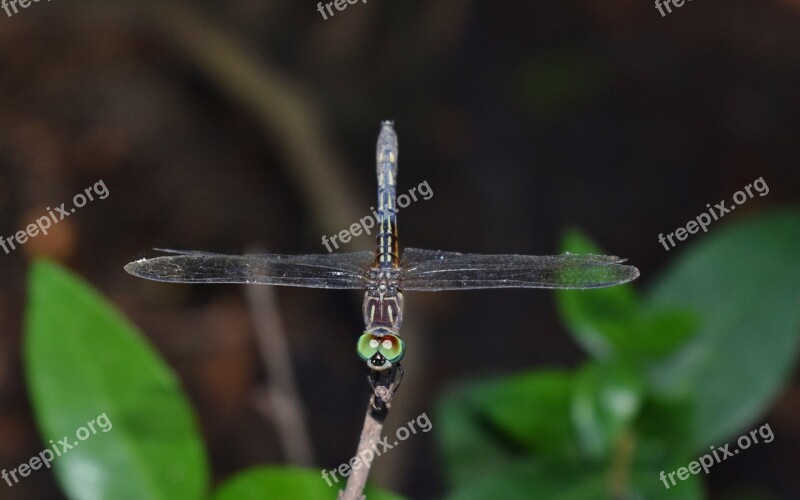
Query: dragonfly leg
384,385
398,378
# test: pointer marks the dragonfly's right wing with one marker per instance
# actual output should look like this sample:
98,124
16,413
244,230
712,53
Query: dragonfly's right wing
434,270
344,270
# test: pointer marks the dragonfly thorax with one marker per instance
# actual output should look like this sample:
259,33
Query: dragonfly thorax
383,310
383,302
380,345
383,280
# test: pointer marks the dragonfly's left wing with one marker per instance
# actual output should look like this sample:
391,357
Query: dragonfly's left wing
344,270
433,270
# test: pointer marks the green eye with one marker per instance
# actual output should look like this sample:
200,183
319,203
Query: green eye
392,347
367,346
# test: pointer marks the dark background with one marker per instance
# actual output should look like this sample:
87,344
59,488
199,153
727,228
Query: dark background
524,117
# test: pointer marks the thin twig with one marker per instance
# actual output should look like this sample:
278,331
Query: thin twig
619,476
377,411
370,435
279,400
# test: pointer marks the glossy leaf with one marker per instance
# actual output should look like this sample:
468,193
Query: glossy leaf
468,448
605,402
633,476
514,438
535,478
288,483
84,359
486,426
529,409
743,280
614,323
645,480
661,442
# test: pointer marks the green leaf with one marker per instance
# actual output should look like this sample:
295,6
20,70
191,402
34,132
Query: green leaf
288,483
606,400
468,449
513,438
646,480
557,480
662,443
530,409
665,425
659,332
613,323
535,478
84,359
743,280
487,425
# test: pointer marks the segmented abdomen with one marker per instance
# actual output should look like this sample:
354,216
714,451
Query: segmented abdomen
387,253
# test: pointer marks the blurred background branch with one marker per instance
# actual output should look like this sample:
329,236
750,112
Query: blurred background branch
279,400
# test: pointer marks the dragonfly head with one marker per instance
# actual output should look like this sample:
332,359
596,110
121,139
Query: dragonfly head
380,348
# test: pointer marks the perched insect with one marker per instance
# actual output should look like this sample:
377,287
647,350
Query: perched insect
384,275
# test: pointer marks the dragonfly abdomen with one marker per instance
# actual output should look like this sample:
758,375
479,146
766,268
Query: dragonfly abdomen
388,251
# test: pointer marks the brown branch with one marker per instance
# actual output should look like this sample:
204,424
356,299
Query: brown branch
377,411
279,400
370,435
619,473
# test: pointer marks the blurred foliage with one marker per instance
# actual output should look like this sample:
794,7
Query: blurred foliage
85,359
286,483
694,361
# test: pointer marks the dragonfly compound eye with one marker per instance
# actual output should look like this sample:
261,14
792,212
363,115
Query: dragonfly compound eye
367,346
390,347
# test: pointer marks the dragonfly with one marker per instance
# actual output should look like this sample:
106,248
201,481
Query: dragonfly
385,274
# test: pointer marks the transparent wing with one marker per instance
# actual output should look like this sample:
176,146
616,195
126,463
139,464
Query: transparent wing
345,270
433,270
